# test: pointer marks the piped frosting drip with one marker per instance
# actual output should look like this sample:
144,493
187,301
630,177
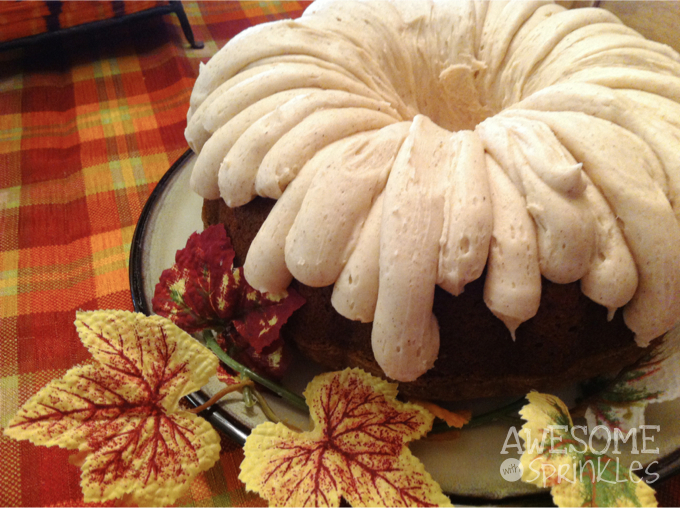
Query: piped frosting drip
414,144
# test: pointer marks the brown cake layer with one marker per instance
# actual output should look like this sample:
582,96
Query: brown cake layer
568,340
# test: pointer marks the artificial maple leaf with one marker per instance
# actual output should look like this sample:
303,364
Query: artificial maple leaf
577,475
357,449
263,314
121,412
227,377
203,290
199,291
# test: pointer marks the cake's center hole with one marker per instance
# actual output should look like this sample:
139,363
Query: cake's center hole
452,100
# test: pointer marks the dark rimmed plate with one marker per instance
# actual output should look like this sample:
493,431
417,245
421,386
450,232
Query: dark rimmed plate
468,467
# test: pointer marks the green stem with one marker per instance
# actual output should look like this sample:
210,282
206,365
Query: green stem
248,397
484,418
265,407
291,397
300,403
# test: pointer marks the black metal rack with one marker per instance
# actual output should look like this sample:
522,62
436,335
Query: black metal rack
173,6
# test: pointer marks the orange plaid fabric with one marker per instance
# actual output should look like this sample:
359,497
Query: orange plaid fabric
88,125
23,19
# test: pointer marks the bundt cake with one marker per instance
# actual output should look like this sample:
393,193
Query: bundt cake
466,192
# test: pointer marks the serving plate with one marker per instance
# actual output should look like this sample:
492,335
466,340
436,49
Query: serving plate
468,468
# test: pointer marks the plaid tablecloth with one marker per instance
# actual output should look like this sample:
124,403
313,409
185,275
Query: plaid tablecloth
24,19
88,125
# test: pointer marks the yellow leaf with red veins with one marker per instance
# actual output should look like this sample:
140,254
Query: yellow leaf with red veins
356,450
556,456
122,412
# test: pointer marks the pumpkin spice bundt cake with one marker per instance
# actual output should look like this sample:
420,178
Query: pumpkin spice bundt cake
464,192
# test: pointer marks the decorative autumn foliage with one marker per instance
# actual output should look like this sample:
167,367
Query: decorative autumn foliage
356,450
272,361
577,475
203,290
227,377
655,378
200,290
122,413
260,316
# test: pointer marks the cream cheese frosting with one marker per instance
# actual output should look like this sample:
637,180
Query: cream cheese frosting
468,214
551,183
355,293
337,204
238,178
204,179
512,288
405,333
415,144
